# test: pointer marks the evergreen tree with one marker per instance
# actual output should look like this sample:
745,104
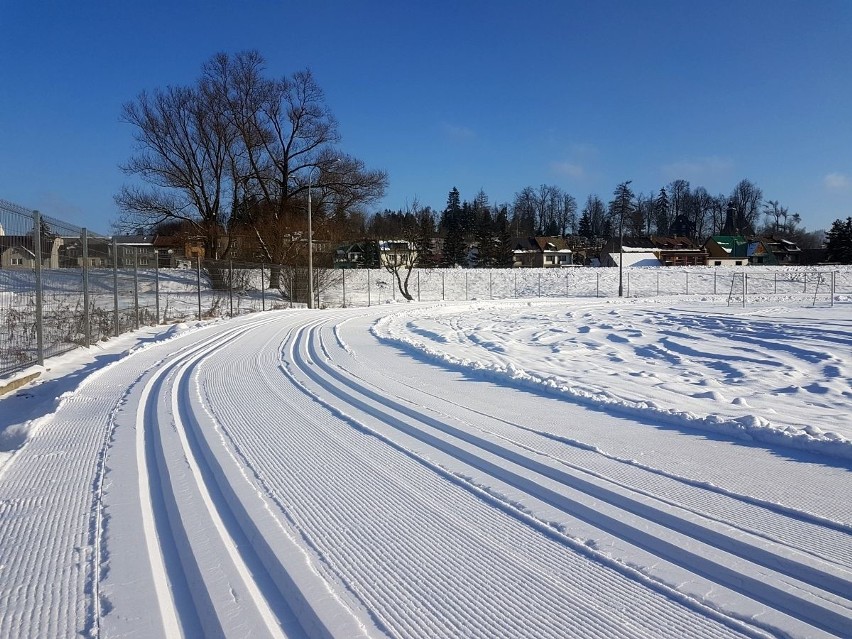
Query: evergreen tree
503,249
585,227
661,213
484,237
455,247
839,241
622,206
424,240
452,210
371,254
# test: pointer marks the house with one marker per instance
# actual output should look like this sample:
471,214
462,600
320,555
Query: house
18,252
633,251
98,251
654,250
786,252
135,250
736,250
354,255
394,253
178,251
678,250
541,252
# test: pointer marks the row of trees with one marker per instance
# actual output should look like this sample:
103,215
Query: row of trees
676,209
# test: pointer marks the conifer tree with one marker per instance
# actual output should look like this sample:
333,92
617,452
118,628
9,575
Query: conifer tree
839,241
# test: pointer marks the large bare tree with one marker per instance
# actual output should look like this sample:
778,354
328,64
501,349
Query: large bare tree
182,153
239,150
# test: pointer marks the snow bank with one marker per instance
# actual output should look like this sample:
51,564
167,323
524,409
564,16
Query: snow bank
546,347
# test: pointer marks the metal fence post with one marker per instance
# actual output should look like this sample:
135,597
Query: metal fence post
539,284
198,282
714,280
516,285
343,270
832,287
418,285
87,316
368,287
157,286
443,292
687,283
39,293
745,286
465,286
115,286
658,283
490,290
136,285
231,287
598,287
262,289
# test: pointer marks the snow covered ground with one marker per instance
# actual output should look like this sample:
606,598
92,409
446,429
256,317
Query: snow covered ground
668,467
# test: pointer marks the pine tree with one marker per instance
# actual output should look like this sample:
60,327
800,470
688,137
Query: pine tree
620,208
503,249
661,212
839,241
423,242
484,237
585,227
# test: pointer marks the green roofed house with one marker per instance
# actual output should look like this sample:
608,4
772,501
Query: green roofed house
736,250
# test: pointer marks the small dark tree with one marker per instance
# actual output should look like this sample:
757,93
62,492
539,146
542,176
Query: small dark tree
839,241
661,212
503,250
585,227
485,240
424,243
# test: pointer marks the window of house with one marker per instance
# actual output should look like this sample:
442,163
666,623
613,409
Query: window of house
739,263
17,261
717,263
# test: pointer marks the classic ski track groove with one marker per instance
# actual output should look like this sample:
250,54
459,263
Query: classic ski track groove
812,606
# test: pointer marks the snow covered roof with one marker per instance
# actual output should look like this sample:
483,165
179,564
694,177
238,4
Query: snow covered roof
636,258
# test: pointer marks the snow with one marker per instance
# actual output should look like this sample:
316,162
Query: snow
664,467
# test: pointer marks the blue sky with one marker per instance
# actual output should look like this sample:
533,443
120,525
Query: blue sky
474,94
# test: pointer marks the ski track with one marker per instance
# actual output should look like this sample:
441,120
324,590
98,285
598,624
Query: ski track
294,476
336,473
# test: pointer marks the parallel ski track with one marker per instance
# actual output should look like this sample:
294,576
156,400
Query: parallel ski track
397,533
570,595
803,532
162,488
227,580
810,604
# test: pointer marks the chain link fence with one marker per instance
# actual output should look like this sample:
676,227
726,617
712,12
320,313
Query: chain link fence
62,287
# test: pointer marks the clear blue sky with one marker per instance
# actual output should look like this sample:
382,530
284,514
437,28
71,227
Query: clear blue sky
476,94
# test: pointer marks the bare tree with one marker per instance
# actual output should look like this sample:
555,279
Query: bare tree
240,150
398,255
183,153
567,215
746,199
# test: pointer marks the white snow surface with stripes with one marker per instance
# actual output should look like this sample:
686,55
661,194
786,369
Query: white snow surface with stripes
550,468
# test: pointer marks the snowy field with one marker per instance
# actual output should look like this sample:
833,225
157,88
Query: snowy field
661,467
